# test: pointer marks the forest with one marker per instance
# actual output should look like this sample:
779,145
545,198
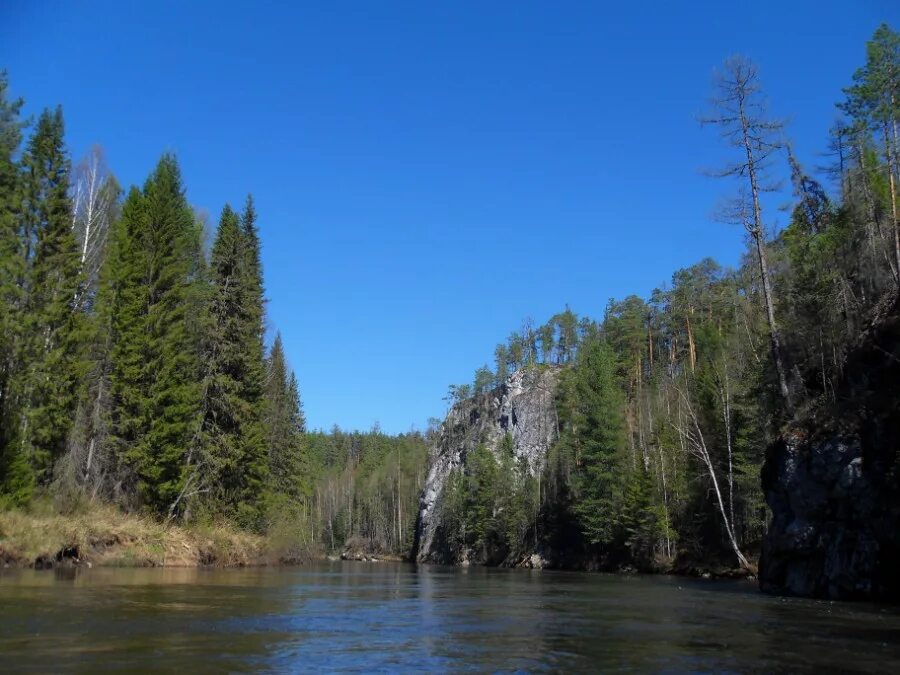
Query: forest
136,371
666,405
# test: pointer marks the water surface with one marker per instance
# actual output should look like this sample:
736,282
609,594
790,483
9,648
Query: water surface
393,617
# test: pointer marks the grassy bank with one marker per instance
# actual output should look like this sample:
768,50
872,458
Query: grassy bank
103,535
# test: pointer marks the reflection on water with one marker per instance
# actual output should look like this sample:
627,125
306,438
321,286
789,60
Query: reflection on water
398,617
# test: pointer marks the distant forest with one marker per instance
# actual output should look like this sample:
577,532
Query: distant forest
134,368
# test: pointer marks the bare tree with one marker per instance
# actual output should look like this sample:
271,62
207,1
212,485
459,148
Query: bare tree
94,200
694,442
741,115
839,150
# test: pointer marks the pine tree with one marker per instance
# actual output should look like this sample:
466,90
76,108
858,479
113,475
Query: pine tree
153,280
874,102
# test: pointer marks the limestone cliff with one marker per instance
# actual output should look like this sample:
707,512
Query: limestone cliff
524,408
833,486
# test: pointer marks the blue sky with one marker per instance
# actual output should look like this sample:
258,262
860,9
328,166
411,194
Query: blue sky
429,174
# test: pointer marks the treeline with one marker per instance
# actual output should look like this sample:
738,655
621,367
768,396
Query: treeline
666,405
132,358
554,342
365,494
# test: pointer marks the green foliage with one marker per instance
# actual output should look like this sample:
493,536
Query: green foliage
285,426
490,506
484,380
366,488
642,519
233,439
47,362
11,267
876,85
150,282
594,429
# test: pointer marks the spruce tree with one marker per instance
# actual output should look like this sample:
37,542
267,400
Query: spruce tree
12,464
285,426
153,281
233,439
48,363
252,314
596,438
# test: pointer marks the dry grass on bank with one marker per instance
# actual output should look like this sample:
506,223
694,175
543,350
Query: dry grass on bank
102,535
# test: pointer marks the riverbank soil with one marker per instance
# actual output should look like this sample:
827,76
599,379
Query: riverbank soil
105,536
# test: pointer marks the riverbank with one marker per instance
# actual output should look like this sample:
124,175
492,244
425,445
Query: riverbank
105,536
683,565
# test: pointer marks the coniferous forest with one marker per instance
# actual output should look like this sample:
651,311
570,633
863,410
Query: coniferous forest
134,369
137,368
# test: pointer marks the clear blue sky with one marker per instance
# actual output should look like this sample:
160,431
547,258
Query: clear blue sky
428,174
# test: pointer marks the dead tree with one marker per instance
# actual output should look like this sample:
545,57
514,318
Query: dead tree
741,115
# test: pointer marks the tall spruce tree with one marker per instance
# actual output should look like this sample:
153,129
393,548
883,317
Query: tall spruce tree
233,438
49,365
12,464
153,280
285,426
595,434
253,314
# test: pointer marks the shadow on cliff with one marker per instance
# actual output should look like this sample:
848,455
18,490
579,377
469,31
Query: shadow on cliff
831,481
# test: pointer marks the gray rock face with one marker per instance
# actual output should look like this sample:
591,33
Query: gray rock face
828,511
833,484
524,408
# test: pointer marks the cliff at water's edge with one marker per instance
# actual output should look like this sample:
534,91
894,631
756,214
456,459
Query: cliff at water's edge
832,483
524,408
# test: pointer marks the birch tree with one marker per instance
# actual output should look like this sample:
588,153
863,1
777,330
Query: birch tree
689,429
94,196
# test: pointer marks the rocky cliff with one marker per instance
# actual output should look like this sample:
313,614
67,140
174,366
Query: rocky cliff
832,483
524,408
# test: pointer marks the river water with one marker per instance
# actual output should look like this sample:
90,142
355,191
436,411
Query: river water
397,617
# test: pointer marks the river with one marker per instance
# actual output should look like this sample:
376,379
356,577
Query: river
396,617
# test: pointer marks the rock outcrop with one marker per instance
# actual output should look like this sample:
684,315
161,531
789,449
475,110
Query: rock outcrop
833,486
524,408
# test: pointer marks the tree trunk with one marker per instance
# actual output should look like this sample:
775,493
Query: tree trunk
692,349
758,235
774,336
697,442
891,182
726,413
